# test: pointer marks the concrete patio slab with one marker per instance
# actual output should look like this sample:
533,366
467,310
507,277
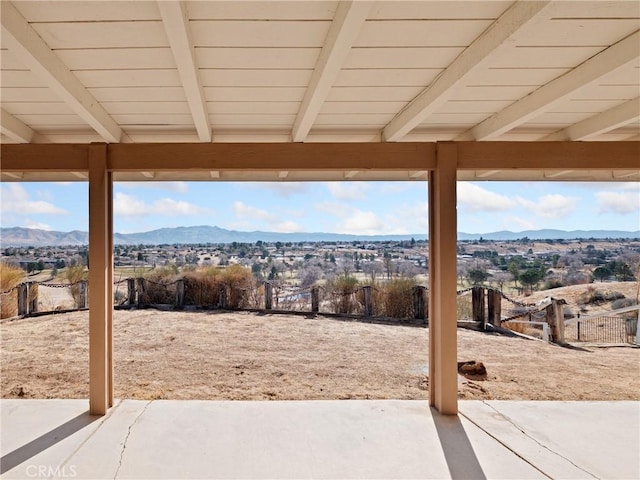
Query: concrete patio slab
319,439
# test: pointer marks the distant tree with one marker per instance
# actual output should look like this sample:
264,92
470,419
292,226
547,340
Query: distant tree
40,265
601,273
477,275
531,277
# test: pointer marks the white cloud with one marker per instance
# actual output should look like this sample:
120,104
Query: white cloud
333,208
473,198
15,199
347,191
39,225
363,223
245,211
251,218
521,223
128,205
287,226
550,206
177,187
621,203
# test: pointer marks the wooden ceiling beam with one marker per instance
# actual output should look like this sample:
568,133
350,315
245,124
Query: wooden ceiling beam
474,57
23,41
604,122
621,54
14,128
176,24
344,30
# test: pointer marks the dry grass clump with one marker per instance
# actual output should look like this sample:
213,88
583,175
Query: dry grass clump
159,287
523,328
398,298
10,276
342,292
73,275
239,281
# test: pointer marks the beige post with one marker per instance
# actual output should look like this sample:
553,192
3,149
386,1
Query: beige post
110,286
98,280
443,372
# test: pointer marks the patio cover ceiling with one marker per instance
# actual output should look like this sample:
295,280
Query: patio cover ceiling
323,72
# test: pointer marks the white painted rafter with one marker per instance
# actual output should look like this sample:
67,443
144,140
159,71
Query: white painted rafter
474,57
344,30
604,122
23,41
14,128
176,24
619,55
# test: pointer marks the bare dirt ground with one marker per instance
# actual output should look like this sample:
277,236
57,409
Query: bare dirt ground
219,355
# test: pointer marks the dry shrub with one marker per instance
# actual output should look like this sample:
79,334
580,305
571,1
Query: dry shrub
522,328
398,298
73,275
159,287
202,287
464,307
342,294
239,282
591,296
10,276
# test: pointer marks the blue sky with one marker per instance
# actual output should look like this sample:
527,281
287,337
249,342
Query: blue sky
341,207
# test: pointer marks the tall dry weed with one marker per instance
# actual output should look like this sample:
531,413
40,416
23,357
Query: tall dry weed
10,276
73,275
398,298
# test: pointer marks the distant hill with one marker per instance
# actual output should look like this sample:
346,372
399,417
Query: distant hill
22,237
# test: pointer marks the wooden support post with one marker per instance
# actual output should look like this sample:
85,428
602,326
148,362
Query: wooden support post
110,288
368,300
443,366
131,291
223,297
23,299
98,279
268,296
180,293
33,298
494,301
315,299
477,303
419,302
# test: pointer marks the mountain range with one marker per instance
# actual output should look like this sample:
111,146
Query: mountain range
23,237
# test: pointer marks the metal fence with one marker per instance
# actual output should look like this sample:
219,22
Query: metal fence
602,330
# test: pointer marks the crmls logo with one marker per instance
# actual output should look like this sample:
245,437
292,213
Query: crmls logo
48,471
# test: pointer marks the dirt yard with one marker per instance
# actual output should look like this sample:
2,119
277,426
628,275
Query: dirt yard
191,355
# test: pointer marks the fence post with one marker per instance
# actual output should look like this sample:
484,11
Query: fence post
368,300
268,296
558,309
33,298
180,292
82,294
23,296
555,319
477,299
315,299
131,291
494,304
419,302
222,297
140,289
